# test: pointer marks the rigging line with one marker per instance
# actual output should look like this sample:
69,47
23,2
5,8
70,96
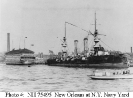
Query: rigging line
68,49
107,45
90,43
80,28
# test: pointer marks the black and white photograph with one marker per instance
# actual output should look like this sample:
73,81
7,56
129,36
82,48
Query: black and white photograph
66,46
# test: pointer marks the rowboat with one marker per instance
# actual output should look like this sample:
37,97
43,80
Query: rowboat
112,76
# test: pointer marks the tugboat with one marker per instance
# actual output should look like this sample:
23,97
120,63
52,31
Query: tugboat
97,58
20,57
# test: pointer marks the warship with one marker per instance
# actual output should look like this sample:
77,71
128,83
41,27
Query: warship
98,57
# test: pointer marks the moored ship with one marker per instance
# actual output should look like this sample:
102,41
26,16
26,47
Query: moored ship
111,75
20,57
98,57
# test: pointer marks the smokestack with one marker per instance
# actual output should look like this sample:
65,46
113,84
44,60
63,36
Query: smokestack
131,49
76,47
85,44
8,42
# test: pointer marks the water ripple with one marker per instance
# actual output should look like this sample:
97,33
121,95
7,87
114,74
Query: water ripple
50,78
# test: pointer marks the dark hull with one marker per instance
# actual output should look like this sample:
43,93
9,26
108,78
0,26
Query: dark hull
95,78
102,65
131,65
105,61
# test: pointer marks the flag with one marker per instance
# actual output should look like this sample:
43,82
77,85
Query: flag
51,52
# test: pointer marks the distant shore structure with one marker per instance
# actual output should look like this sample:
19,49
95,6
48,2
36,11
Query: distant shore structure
8,42
20,57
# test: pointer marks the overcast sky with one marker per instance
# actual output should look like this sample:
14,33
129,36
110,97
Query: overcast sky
42,22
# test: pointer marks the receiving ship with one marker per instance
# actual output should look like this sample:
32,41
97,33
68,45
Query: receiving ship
98,57
20,57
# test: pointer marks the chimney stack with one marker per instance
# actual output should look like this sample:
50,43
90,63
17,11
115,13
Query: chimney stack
76,47
85,45
8,42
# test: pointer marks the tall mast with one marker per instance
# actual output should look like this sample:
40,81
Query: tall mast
95,21
64,45
96,39
65,29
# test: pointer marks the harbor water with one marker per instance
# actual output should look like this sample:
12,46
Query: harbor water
52,78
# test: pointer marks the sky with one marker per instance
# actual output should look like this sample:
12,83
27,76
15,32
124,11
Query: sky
43,23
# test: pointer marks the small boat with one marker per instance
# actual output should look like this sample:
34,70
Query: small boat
112,76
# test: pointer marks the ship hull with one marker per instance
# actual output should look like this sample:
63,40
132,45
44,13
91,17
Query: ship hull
19,63
103,61
20,59
102,65
113,77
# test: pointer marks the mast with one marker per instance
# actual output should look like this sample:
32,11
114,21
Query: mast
65,29
96,39
64,45
95,21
